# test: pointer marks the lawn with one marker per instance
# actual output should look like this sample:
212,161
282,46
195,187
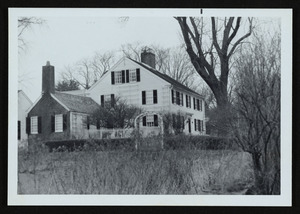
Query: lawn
131,172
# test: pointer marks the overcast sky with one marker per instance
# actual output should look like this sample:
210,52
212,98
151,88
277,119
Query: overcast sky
65,40
67,37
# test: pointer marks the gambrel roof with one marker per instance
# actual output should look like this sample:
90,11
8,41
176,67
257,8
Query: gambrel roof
76,103
166,77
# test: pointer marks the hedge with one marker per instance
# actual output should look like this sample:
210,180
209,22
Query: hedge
91,144
198,142
128,144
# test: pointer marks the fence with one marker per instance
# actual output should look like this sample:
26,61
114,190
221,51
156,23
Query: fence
110,133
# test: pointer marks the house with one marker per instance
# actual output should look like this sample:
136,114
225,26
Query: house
24,103
65,115
140,84
55,115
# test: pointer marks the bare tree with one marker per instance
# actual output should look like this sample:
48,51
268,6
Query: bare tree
88,70
211,54
256,116
25,23
115,113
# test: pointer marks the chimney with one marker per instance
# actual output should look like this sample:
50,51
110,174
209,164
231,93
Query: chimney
48,79
148,57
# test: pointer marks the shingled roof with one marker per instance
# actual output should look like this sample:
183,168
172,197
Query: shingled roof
166,77
77,103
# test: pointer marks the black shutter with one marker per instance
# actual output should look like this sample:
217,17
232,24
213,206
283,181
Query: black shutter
195,123
190,102
143,97
198,105
52,123
177,98
19,129
172,96
39,124
154,96
155,120
202,129
199,127
194,101
64,122
112,77
181,99
138,75
88,122
28,125
186,100
98,123
127,75
112,100
144,121
102,100
123,76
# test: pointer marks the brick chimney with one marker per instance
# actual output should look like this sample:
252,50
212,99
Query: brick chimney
148,57
48,79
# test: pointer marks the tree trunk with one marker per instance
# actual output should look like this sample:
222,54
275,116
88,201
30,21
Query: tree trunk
258,174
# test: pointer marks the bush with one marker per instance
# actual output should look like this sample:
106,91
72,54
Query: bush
91,144
198,142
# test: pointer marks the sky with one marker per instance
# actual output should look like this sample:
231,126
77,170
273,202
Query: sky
70,35
65,40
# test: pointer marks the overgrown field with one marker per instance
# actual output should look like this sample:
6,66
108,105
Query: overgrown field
132,172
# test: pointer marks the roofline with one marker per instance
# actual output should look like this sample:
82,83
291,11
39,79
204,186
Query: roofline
57,100
21,91
102,76
172,85
36,101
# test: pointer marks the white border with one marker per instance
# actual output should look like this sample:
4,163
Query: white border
189,200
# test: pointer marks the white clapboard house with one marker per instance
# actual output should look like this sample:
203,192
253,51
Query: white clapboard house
140,84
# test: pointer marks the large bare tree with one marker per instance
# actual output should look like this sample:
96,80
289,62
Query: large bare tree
256,119
210,45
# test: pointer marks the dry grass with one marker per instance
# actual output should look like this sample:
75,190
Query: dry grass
120,172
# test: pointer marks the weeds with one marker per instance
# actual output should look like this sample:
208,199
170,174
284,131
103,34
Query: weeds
134,172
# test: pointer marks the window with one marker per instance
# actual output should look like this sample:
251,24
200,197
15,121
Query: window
118,77
201,125
177,97
196,125
34,125
188,101
149,97
58,123
132,75
198,104
107,100
125,76
150,120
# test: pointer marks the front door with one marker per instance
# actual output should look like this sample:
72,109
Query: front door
189,123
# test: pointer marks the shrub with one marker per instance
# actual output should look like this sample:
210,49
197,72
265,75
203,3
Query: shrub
91,144
198,142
